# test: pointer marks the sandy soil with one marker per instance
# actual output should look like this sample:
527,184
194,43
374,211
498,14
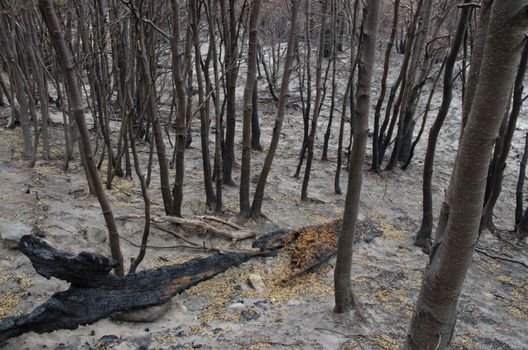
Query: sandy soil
298,315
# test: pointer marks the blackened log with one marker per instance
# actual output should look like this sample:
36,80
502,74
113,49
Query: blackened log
83,270
83,304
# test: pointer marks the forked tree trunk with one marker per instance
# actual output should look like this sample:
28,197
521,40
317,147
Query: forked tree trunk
434,316
344,299
63,54
281,109
245,170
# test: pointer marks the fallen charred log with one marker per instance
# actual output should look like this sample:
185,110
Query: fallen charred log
95,293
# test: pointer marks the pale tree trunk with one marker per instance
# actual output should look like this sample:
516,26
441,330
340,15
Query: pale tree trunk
434,317
342,277
245,171
64,56
281,109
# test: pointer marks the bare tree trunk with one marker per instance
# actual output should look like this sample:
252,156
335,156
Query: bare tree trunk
308,104
8,55
337,178
504,144
213,8
63,54
255,126
180,127
381,98
231,74
520,184
281,108
344,297
333,49
409,80
144,192
427,109
154,119
423,237
317,102
204,110
245,171
434,317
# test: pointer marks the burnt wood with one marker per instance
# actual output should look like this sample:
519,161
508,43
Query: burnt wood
94,295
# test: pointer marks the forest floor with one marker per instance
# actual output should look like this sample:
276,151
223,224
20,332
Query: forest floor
387,269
